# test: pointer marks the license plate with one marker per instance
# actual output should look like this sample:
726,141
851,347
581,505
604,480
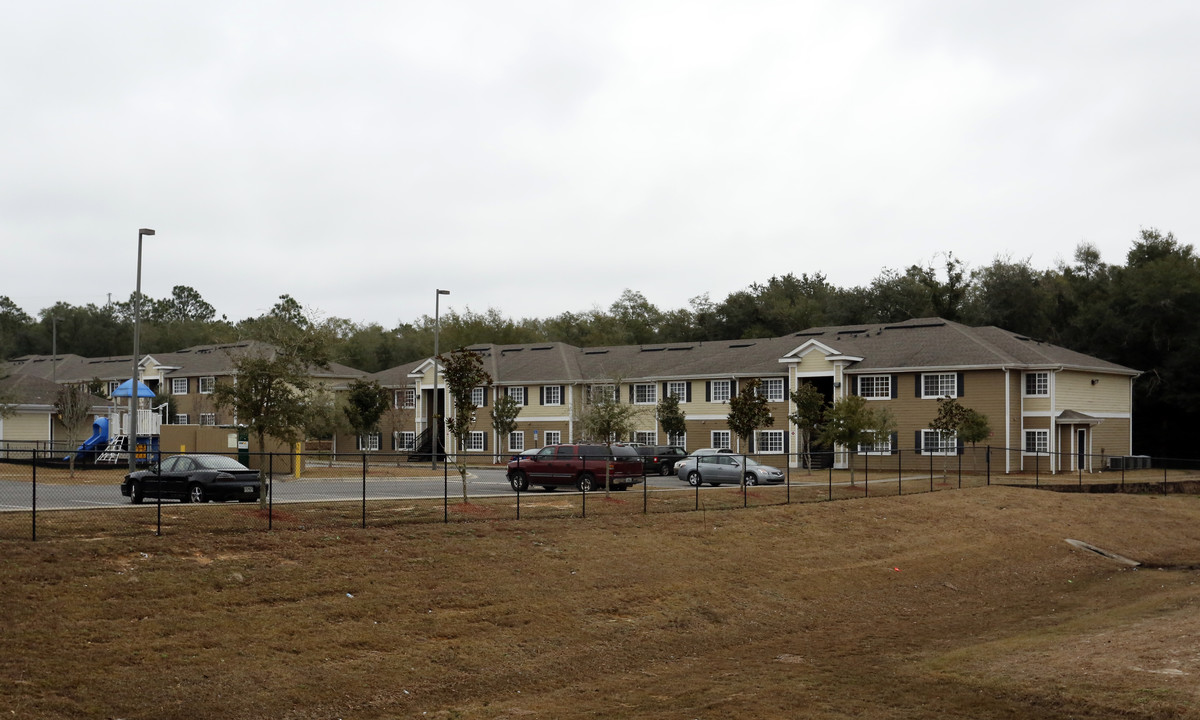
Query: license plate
247,489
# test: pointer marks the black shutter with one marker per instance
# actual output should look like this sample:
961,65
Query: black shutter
895,386
485,396
750,442
853,384
664,391
707,391
787,438
961,388
959,449
485,439
542,395
918,384
525,400
917,443
733,388
689,390
631,393
895,442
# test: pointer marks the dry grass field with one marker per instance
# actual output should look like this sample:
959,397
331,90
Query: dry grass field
956,604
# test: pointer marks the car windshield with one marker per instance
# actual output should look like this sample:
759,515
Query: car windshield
219,462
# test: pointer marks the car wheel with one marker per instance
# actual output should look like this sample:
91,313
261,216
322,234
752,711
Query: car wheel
519,481
665,469
586,483
693,478
196,494
751,479
135,493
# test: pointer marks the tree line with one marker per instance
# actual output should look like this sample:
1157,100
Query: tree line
1141,313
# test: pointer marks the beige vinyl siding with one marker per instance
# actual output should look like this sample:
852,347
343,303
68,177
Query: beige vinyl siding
1075,391
1111,437
814,362
28,427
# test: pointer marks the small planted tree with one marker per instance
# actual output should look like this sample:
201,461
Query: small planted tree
366,402
671,417
463,370
961,423
748,412
850,422
606,419
504,418
810,409
72,404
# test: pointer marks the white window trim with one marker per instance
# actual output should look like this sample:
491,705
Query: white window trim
553,437
557,389
1025,386
772,433
608,392
679,389
875,447
1043,432
649,389
200,385
648,437
405,439
515,434
771,389
949,440
475,441
887,392
516,392
726,385
181,419
679,440
210,416
728,438
952,394
184,381
371,444
477,396
404,398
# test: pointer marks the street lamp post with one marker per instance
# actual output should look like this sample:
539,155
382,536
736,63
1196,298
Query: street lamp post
434,414
133,385
54,349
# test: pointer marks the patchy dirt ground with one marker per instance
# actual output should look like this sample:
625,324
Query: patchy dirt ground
965,604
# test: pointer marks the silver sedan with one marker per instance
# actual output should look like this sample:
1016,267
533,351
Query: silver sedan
726,468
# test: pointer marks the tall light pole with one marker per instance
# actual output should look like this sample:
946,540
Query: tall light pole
133,385
54,348
434,414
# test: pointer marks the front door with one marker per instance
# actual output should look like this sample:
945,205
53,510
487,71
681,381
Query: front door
1081,450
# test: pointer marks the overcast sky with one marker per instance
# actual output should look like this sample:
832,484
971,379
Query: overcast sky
540,157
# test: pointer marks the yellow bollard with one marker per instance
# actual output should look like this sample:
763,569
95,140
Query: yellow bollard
182,449
296,460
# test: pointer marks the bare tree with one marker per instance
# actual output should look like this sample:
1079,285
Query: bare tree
463,370
72,404
604,418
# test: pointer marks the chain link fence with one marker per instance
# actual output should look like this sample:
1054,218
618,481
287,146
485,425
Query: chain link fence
42,497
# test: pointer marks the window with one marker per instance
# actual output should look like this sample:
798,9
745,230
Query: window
476,441
477,397
405,439
516,440
179,386
368,443
405,398
552,395
553,437
181,419
876,444
875,387
112,386
680,440
719,392
1037,384
603,392
646,437
645,394
1037,441
939,385
770,441
771,389
517,393
208,418
935,442
678,389
207,384
720,438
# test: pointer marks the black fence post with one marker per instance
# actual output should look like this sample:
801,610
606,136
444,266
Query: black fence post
1037,469
988,463
960,470
831,477
158,504
583,487
445,490
645,491
270,489
899,472
33,465
787,478
866,478
745,487
931,473
364,491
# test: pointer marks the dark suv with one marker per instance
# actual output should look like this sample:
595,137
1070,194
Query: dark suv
578,465
661,459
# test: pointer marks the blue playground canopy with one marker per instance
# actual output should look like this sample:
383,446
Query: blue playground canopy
123,390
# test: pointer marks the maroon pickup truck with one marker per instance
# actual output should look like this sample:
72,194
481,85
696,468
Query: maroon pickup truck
581,466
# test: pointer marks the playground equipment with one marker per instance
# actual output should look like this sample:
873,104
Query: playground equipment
149,424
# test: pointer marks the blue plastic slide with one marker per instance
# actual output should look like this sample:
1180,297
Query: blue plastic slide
97,442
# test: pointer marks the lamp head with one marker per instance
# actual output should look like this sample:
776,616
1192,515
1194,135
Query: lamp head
443,292
145,231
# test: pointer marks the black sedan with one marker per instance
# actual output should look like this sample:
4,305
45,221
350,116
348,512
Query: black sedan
194,478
